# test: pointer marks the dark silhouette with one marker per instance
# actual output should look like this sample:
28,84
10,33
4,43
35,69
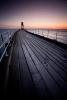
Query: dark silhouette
22,25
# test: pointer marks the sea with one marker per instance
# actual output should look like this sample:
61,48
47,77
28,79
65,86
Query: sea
4,35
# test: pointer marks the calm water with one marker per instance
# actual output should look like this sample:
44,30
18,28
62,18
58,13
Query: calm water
4,35
59,35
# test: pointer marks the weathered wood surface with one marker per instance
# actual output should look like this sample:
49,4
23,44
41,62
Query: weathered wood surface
38,68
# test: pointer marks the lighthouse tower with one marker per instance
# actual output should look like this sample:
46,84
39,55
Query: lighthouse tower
22,25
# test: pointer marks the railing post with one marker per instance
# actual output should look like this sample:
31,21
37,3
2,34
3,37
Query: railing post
47,33
42,32
2,38
38,31
35,31
56,36
8,34
6,53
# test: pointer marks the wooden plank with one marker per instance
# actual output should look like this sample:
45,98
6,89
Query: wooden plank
44,55
58,54
27,84
44,73
38,66
51,56
14,75
37,79
49,67
46,63
20,83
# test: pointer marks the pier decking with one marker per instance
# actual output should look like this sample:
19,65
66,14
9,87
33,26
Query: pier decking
37,68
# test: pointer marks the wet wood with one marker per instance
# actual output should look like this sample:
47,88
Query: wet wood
38,68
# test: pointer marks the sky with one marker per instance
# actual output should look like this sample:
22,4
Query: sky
34,13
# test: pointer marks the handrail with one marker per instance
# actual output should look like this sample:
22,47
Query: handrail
7,41
4,53
47,33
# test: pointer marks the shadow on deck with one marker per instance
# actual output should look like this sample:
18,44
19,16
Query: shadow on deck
37,68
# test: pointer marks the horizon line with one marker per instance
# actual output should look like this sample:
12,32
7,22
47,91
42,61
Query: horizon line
32,28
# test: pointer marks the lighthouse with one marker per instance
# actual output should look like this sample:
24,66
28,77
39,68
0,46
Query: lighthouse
22,25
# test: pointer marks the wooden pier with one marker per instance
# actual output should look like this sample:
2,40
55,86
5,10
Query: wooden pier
37,68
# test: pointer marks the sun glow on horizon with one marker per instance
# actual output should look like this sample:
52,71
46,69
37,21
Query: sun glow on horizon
35,21
35,25
35,14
